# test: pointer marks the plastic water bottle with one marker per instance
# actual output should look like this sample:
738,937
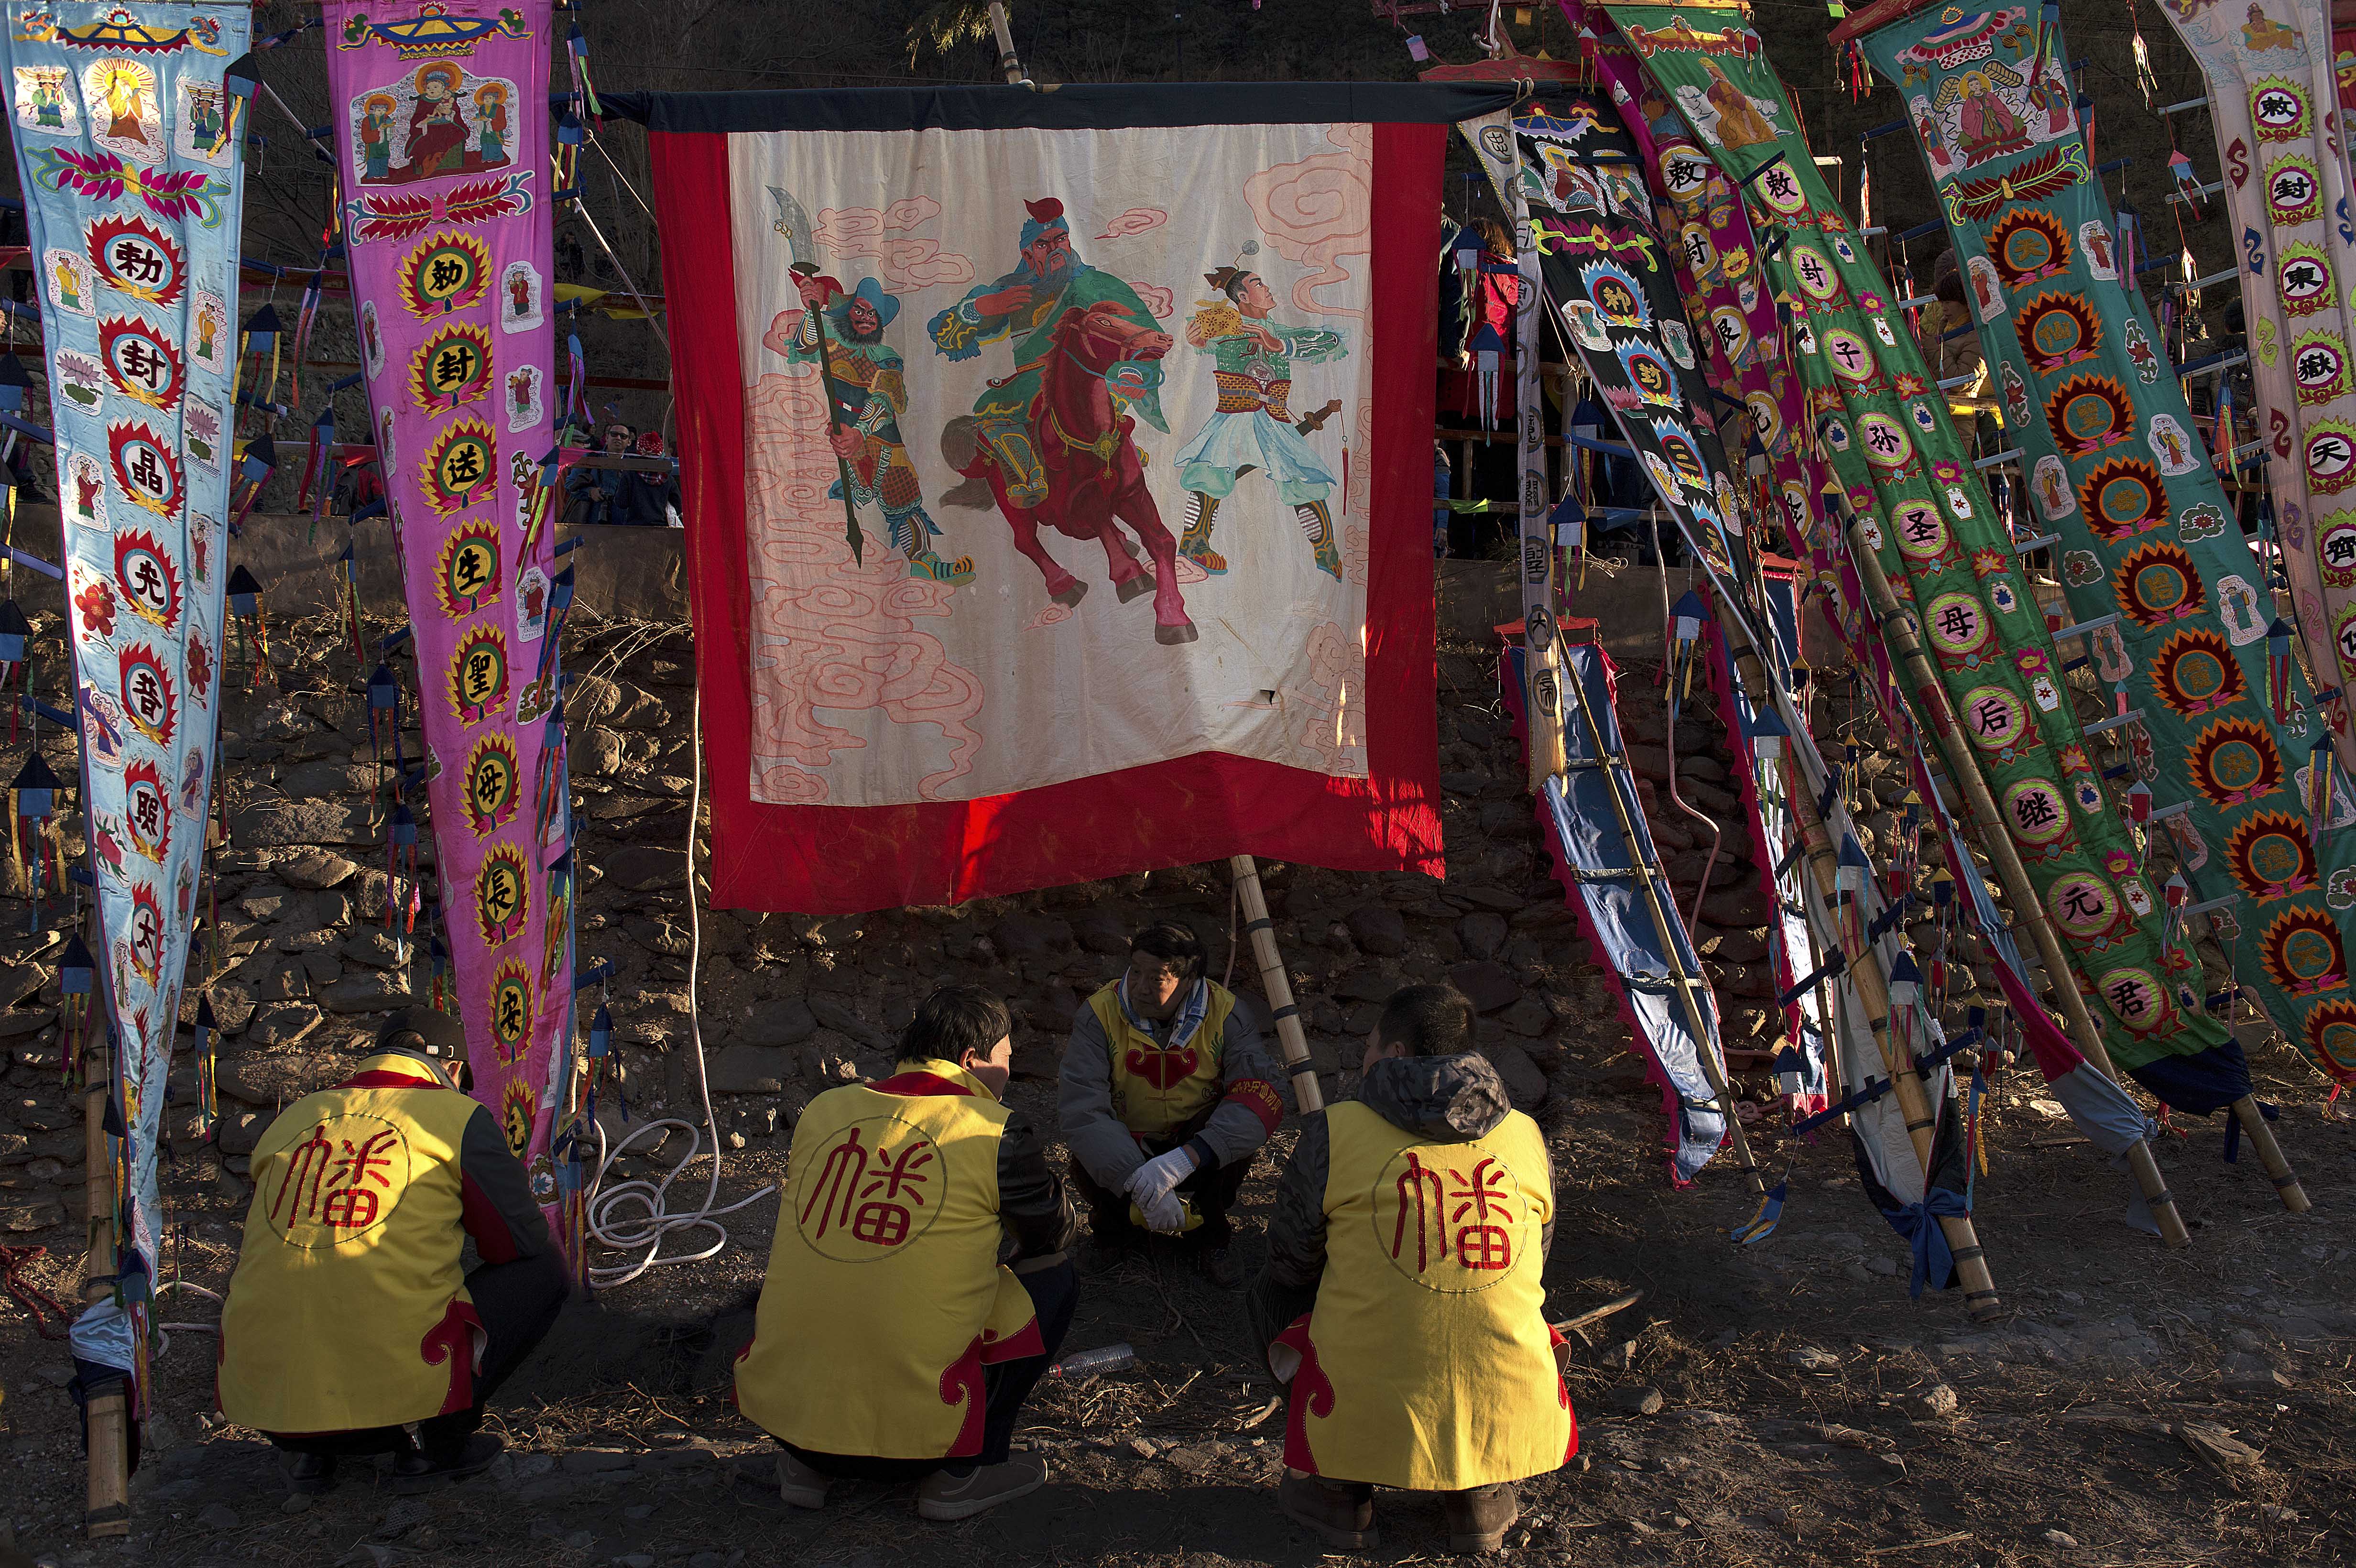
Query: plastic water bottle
1090,1363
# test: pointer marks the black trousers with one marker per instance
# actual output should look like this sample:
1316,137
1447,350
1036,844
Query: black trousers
1055,1294
1213,1188
518,1303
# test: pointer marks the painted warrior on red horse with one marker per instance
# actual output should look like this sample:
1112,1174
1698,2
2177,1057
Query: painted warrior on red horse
1052,442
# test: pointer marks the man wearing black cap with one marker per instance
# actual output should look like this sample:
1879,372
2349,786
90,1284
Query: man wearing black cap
347,1318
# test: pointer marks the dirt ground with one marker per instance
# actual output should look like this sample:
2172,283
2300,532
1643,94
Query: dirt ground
1793,1416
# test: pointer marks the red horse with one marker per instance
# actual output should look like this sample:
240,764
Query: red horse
1094,473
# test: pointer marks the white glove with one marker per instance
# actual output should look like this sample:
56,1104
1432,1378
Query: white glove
1158,1177
1165,1214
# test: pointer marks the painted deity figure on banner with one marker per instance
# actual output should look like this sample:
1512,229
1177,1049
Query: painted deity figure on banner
1253,425
1052,442
1027,305
1985,126
436,122
869,383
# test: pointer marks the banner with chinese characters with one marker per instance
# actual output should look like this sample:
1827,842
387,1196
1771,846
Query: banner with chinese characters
442,145
2224,727
1044,526
127,131
2272,93
1884,429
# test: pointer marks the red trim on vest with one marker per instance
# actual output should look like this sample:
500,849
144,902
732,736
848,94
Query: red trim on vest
1313,1394
1026,1342
961,1381
1562,1392
385,1078
1259,1096
453,1340
919,1084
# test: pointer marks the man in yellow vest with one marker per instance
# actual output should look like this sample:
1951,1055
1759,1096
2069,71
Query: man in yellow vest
347,1317
1166,1095
1402,1298
891,1344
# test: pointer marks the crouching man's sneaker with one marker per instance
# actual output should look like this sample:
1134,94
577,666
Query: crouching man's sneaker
946,1495
1340,1513
799,1484
1478,1519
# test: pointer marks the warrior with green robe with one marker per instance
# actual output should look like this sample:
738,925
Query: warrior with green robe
1026,305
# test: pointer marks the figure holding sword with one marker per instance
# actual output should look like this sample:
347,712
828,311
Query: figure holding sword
867,389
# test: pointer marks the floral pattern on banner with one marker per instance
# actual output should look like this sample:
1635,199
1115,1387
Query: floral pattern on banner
2146,531
1884,429
442,148
126,137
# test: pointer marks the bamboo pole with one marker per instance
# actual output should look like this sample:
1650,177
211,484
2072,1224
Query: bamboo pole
1008,62
1905,1078
1306,1095
1930,696
108,1509
1664,920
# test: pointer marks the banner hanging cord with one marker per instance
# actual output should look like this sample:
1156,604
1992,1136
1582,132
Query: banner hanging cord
607,1222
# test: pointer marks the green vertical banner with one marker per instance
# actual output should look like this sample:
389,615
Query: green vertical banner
2226,731
1882,426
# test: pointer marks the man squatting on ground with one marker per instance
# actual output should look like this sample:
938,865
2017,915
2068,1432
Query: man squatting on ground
1166,1095
1402,1298
347,1319
891,1344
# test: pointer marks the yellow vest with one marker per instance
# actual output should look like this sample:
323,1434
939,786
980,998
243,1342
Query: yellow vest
885,1297
1427,1362
349,1308
1154,1090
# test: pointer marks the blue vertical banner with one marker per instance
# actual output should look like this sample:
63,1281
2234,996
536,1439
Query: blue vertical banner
127,129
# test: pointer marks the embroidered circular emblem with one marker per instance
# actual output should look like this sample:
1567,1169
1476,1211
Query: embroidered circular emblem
140,363
502,895
1885,441
1851,355
1779,190
150,583
2033,809
2124,497
2134,994
1994,717
2294,194
469,577
2058,330
136,258
1921,532
452,367
478,675
2336,553
2157,584
337,1184
2196,671
2302,954
1957,626
463,460
2277,110
510,1010
2303,276
1815,271
2270,856
516,1113
2089,413
491,784
444,273
147,468
877,1185
2234,760
1449,1221
2027,245
2082,904
2318,365
2332,1036
1685,457
148,700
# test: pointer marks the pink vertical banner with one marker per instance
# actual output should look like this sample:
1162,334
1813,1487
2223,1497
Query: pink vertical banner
441,118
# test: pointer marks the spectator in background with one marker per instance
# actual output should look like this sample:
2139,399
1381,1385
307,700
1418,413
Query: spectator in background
595,496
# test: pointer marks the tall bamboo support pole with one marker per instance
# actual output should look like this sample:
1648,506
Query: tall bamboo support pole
1276,984
108,1511
1665,920
1905,1078
1903,639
